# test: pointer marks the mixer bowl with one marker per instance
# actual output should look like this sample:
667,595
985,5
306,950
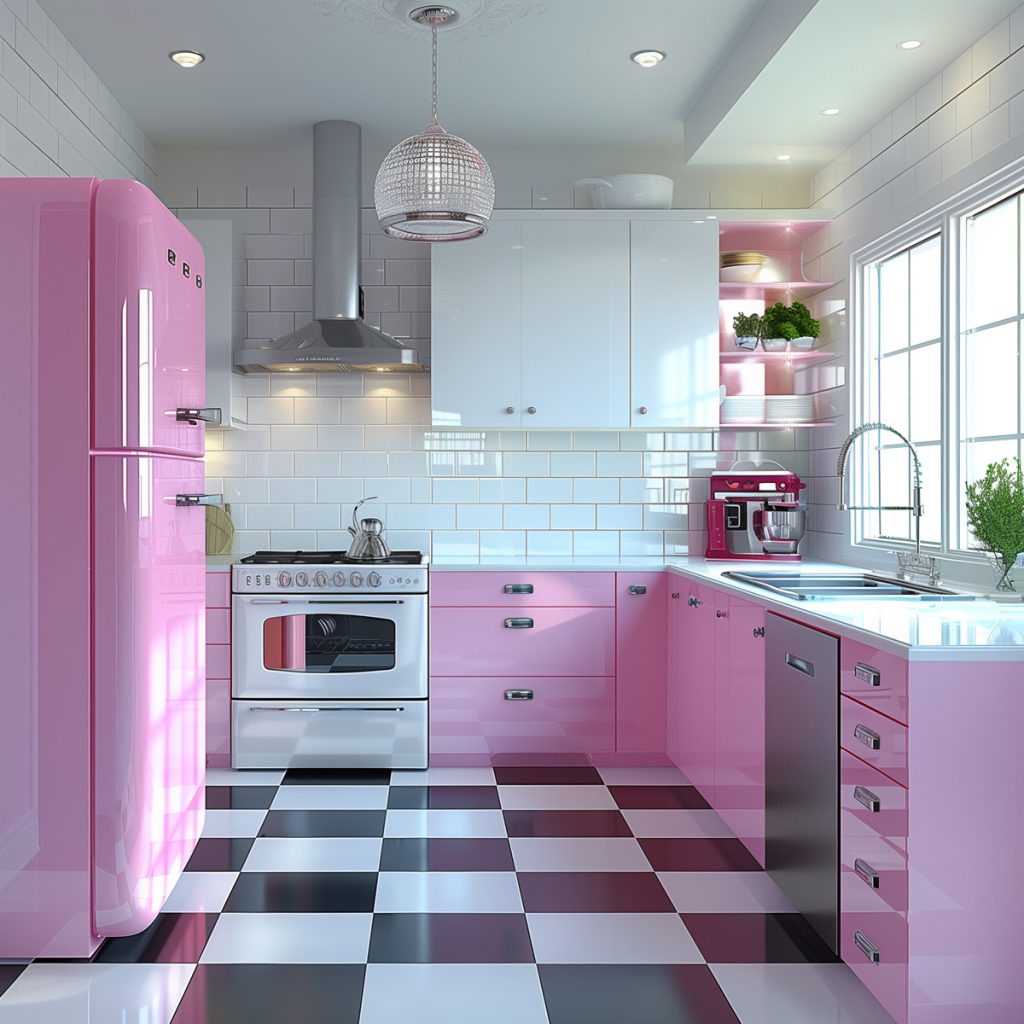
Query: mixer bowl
783,529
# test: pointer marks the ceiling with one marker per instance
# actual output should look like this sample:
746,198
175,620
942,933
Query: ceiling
749,76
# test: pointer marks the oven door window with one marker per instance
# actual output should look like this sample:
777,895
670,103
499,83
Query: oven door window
328,642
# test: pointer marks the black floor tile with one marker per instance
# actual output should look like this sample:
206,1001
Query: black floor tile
698,855
337,777
273,994
450,939
644,993
757,939
446,855
308,824
9,974
234,798
662,798
170,939
529,824
313,892
444,798
547,775
593,892
219,855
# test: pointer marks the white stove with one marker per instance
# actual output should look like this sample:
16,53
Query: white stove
329,661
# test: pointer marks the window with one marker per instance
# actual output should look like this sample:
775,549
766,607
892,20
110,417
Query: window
939,317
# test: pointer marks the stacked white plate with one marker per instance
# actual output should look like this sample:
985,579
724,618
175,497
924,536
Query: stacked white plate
743,409
789,408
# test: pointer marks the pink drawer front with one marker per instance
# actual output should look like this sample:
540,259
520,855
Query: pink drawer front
877,865
522,642
873,738
514,589
873,943
476,718
871,805
218,626
875,678
218,589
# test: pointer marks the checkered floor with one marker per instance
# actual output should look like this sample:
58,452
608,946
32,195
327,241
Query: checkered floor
512,895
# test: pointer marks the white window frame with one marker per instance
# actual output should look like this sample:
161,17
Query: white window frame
943,220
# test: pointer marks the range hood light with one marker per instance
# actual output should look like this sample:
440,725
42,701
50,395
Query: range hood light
186,58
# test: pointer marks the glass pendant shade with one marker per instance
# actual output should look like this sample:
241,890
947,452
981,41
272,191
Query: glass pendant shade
434,187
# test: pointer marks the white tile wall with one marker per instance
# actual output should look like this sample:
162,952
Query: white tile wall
56,117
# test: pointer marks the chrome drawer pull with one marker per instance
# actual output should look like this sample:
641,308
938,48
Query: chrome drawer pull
800,664
867,798
519,695
518,588
314,710
867,736
195,416
194,500
867,947
867,674
759,631
694,602
519,623
637,589
867,872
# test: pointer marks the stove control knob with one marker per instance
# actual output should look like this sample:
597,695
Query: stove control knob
374,580
320,579
284,579
356,579
339,579
301,579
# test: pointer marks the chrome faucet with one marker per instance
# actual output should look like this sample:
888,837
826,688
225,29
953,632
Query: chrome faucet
908,564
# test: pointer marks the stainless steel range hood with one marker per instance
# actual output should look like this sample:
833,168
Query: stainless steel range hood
338,338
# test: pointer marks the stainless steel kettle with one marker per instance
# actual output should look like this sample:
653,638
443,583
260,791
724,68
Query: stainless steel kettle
368,537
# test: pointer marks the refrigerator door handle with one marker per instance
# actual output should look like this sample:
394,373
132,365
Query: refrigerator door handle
192,500
195,416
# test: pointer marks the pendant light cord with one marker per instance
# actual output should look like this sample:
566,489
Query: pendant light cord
433,71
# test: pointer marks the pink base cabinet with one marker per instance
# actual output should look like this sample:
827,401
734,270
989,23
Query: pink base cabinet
218,669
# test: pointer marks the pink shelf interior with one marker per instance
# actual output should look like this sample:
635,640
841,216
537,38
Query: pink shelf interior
767,234
806,356
757,290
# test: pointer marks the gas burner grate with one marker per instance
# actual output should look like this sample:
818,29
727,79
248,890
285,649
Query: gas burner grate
329,558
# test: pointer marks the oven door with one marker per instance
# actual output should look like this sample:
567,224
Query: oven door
298,647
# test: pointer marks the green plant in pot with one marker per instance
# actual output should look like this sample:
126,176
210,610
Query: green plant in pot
747,328
995,514
782,323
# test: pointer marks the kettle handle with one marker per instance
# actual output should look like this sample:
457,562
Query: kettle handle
354,528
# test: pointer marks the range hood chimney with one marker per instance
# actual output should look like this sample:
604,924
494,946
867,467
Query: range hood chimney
338,338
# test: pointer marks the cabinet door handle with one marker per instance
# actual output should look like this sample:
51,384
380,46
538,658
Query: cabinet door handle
694,602
759,631
519,695
867,872
867,947
642,410
867,736
519,623
195,416
800,664
531,409
192,500
518,588
868,799
869,675
637,589
510,409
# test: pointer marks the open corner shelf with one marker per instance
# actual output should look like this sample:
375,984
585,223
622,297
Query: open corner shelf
757,289
775,426
805,357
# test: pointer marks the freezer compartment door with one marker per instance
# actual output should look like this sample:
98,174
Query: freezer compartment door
149,677
329,734
149,325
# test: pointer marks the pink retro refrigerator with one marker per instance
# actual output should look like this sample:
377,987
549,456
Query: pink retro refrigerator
102,629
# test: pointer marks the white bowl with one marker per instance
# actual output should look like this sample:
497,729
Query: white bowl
629,191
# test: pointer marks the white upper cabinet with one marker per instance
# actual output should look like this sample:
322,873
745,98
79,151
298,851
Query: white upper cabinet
476,327
674,324
575,323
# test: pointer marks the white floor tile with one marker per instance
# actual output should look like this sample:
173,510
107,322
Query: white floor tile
555,798
330,798
543,854
444,824
663,776
724,892
200,892
452,994
612,939
80,993
798,994
289,939
676,824
448,892
235,824
244,777
314,854
444,777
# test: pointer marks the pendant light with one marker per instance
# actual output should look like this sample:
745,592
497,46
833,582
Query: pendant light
434,187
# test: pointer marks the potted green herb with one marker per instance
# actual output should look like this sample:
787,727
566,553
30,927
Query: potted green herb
782,324
995,514
747,328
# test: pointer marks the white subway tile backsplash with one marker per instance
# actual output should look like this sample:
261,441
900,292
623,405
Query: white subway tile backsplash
343,490
641,441
317,516
595,440
364,410
549,489
619,464
343,385
641,490
388,489
479,463
503,544
291,222
285,490
293,540
291,298
292,438
636,543
274,247
407,464
413,298
387,438
408,410
269,517
364,464
526,464
504,490
549,440
595,542
456,490
573,517
478,517
318,410
573,464
596,490
270,195
547,543
407,272
619,517
271,410
274,464
526,517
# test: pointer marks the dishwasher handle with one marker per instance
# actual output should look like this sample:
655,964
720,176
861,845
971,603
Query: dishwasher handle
800,664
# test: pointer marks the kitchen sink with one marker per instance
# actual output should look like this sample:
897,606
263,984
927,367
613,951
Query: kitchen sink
808,586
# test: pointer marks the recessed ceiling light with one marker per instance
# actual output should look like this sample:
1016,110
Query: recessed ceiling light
910,44
712,216
186,58
830,112
647,58
784,157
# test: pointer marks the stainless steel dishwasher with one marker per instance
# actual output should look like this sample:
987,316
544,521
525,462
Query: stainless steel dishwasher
802,770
